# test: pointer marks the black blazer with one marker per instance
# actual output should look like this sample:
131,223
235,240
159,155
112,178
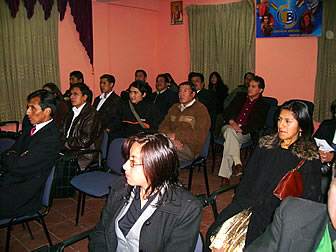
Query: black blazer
22,187
108,109
256,119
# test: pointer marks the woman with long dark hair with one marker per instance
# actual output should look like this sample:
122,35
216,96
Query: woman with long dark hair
148,209
217,85
273,158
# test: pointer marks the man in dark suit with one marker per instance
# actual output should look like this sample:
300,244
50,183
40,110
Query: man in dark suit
82,128
300,225
163,97
106,103
28,163
245,115
205,96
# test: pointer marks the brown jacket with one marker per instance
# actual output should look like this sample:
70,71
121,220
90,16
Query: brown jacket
191,126
86,134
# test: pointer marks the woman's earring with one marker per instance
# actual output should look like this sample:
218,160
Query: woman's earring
300,133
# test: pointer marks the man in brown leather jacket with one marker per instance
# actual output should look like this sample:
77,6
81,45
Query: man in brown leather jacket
82,128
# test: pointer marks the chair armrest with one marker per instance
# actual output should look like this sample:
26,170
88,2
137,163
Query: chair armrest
59,247
212,198
86,152
11,122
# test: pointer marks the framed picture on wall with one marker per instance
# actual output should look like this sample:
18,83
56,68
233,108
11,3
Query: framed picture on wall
176,12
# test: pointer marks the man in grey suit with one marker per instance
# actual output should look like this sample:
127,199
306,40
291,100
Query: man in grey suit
300,225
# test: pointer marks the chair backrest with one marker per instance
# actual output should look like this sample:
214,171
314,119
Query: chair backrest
205,149
271,101
199,244
104,145
47,198
5,144
115,157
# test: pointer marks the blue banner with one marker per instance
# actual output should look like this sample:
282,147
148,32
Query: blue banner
288,18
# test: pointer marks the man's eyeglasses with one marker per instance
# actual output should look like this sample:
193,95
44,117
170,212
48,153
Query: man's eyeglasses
132,164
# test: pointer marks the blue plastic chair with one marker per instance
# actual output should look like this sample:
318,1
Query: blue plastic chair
6,143
97,183
201,162
47,201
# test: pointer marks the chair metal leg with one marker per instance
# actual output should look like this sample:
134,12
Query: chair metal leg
190,177
45,229
29,230
83,204
78,208
8,237
214,208
214,153
206,180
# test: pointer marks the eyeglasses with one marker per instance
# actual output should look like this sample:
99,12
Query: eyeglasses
132,164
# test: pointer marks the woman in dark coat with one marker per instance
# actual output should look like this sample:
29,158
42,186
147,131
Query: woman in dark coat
273,158
124,123
216,84
148,209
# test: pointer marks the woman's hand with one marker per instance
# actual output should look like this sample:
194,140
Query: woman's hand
326,157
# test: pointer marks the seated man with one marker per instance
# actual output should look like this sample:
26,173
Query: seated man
246,114
136,114
204,96
241,88
28,163
82,128
74,77
163,98
106,103
300,225
187,123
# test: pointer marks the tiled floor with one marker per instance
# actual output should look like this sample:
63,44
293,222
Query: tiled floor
61,225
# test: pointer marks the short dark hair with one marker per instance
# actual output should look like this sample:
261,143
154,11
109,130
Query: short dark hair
47,100
142,86
141,71
84,89
261,82
159,159
110,78
302,115
194,74
55,90
162,76
77,74
248,73
188,83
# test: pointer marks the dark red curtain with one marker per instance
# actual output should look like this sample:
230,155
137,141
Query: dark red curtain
81,10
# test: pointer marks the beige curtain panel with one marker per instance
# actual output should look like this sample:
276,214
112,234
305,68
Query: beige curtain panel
222,39
29,57
325,84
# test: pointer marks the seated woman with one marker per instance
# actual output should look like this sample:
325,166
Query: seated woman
125,123
148,209
216,84
327,131
273,158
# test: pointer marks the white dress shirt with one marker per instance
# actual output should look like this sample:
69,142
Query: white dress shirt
103,98
76,113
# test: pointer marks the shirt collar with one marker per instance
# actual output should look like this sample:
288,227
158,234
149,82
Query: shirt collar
160,92
102,96
41,125
182,107
78,110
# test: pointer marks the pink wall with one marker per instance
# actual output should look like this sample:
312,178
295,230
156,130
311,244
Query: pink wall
132,36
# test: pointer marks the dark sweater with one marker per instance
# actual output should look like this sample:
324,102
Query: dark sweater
124,124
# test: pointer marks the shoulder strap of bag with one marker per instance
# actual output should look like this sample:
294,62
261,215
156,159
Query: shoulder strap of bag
299,165
136,115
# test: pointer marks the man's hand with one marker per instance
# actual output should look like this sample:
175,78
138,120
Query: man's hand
235,126
178,144
326,157
171,136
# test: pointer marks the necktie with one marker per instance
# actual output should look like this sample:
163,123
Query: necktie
32,131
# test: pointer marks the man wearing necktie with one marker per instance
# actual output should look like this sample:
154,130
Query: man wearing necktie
27,164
